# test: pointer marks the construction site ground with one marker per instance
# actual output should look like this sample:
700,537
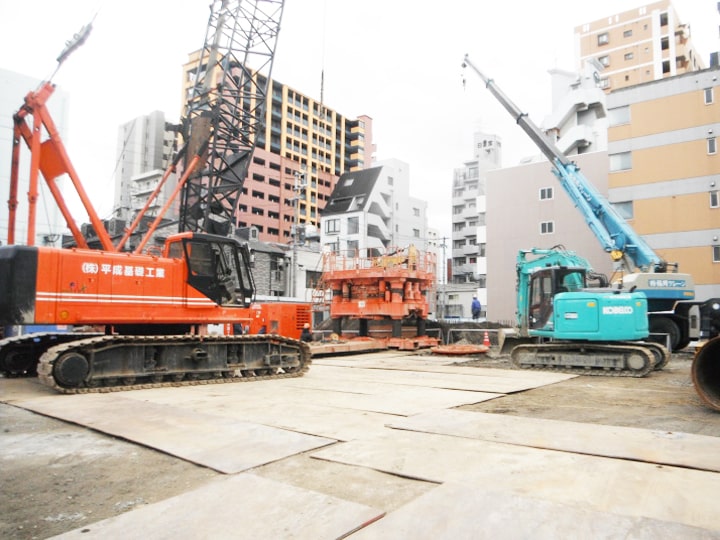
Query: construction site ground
388,444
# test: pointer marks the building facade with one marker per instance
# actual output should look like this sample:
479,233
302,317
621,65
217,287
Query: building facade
469,228
664,169
640,45
145,148
371,212
302,138
50,224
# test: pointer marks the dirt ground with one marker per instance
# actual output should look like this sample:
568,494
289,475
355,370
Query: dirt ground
57,476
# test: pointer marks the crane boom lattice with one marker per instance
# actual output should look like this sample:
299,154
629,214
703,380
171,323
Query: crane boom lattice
226,108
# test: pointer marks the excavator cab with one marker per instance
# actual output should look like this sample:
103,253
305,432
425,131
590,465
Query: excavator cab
544,285
218,267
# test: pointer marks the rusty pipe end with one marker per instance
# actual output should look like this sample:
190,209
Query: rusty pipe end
706,373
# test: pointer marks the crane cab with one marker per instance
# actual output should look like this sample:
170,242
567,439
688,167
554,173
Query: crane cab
217,266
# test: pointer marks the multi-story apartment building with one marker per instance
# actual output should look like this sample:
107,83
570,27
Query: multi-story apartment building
303,139
640,45
665,169
145,147
469,231
371,211
50,224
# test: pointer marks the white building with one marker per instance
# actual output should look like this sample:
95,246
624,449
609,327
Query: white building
144,149
371,212
49,223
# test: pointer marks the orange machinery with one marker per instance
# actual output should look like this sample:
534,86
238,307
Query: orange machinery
170,318
393,287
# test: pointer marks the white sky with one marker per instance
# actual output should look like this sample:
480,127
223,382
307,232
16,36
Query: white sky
392,60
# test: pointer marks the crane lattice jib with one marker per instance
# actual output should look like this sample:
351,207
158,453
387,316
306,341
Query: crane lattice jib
226,108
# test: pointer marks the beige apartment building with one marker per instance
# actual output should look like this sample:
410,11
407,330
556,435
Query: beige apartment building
640,45
664,169
304,149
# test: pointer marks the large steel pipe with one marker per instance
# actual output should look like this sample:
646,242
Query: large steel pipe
706,373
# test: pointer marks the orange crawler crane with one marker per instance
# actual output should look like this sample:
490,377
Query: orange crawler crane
392,287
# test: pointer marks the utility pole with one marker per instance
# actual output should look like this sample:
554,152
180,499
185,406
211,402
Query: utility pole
298,189
443,278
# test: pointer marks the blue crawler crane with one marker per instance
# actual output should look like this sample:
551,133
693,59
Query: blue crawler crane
670,304
672,308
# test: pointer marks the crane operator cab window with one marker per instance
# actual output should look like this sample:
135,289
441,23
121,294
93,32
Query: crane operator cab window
214,269
544,285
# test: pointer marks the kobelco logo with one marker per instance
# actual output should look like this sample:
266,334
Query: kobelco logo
617,310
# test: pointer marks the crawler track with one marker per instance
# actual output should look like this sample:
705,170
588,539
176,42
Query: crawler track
19,355
608,360
118,363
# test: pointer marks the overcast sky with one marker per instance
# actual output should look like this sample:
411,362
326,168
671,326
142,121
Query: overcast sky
392,60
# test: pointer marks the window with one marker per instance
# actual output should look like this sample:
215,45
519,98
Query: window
711,145
625,209
352,247
664,19
629,56
716,254
714,199
619,116
332,226
458,243
603,39
416,212
604,60
546,193
481,249
620,162
348,181
666,67
708,96
416,233
353,225
665,43
458,209
312,278
390,180
627,33
547,227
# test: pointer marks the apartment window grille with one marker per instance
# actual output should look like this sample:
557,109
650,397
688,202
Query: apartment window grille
715,199
620,162
603,39
716,254
546,193
711,145
708,96
547,227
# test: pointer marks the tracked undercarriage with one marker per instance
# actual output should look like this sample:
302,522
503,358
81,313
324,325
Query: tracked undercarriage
19,355
623,359
103,363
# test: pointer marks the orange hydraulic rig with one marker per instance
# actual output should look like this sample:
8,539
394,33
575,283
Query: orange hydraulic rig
396,287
